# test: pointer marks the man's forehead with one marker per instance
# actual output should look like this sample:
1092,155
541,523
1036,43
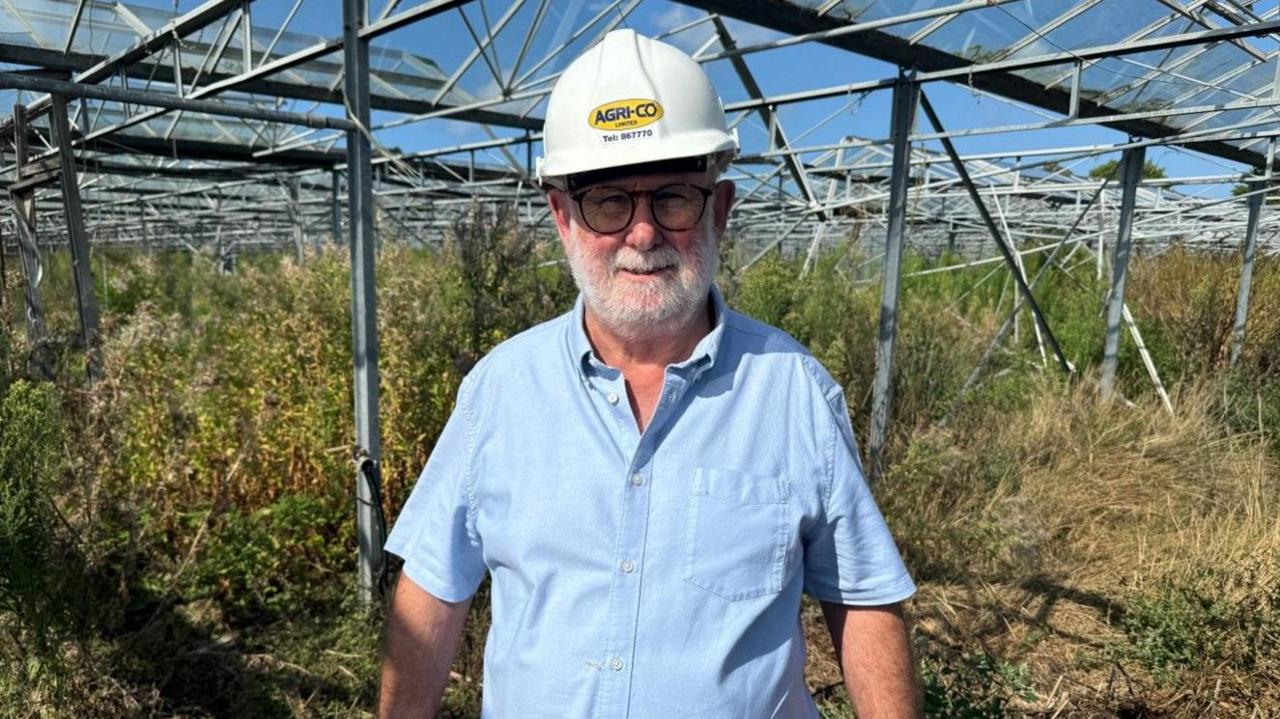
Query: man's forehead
648,180
695,167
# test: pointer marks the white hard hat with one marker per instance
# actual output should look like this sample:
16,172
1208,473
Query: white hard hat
630,100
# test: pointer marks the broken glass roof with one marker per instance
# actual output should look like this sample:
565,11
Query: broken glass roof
490,64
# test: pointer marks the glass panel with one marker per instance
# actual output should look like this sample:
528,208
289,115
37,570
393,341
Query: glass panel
1179,85
1049,74
909,29
1154,94
984,34
1106,23
1105,76
893,8
1231,117
1112,74
48,28
1159,64
1257,80
45,24
12,32
199,127
1138,102
845,10
1211,64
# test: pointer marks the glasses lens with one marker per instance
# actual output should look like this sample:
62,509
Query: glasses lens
678,207
606,209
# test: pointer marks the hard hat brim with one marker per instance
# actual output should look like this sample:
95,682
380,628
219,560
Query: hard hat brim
689,144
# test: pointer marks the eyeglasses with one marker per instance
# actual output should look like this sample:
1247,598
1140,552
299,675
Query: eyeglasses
676,207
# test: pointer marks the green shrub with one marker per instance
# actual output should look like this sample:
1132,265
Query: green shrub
972,686
1220,618
767,290
6,355
1171,631
1250,404
38,567
289,556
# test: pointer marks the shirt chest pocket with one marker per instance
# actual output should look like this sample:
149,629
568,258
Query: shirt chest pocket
737,533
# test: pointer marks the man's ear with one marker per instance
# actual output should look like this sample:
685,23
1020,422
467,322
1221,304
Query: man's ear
722,201
558,201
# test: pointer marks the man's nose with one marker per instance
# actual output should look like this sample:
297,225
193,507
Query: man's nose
644,232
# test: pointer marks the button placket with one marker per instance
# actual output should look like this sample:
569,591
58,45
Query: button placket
625,606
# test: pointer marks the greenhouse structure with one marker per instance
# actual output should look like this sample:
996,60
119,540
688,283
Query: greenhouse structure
227,127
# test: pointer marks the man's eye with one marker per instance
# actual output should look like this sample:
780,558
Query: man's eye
614,203
671,200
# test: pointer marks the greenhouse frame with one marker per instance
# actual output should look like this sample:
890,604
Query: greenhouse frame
224,129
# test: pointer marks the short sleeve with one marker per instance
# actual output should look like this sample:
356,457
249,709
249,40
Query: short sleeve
435,532
849,556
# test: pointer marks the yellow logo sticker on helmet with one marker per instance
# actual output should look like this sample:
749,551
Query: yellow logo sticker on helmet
625,114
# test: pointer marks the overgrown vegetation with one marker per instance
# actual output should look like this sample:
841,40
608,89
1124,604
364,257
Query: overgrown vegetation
178,539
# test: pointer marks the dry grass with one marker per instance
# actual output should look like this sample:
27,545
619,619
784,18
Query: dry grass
1076,557
1144,491
1093,538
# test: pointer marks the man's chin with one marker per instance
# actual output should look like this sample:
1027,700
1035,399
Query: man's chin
638,317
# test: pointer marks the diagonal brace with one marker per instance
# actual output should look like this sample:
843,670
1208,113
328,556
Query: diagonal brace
1005,250
769,114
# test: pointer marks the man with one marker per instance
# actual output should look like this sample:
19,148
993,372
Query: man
651,480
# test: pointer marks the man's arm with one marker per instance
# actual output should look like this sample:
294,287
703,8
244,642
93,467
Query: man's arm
875,657
423,633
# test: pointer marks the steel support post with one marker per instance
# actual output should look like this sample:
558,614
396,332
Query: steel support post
32,271
81,260
142,223
905,94
364,325
219,252
335,206
1130,176
1246,271
996,235
29,255
4,281
295,214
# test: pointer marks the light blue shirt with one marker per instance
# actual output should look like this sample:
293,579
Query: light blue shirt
653,574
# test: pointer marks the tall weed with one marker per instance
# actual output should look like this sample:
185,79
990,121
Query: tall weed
208,474
39,566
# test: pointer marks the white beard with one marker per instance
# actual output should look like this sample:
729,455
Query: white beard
637,309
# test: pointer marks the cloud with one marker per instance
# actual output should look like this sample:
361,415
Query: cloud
690,40
675,16
747,34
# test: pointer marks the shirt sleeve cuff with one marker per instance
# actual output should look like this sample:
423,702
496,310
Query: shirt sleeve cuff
899,590
432,581
435,585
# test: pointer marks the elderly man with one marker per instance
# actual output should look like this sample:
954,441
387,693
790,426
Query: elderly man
651,480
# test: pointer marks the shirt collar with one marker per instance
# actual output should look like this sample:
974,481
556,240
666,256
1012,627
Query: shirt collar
703,355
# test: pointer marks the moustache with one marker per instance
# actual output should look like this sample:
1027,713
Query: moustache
651,261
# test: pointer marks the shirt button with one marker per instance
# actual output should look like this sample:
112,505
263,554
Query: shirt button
615,664
613,398
628,566
637,480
